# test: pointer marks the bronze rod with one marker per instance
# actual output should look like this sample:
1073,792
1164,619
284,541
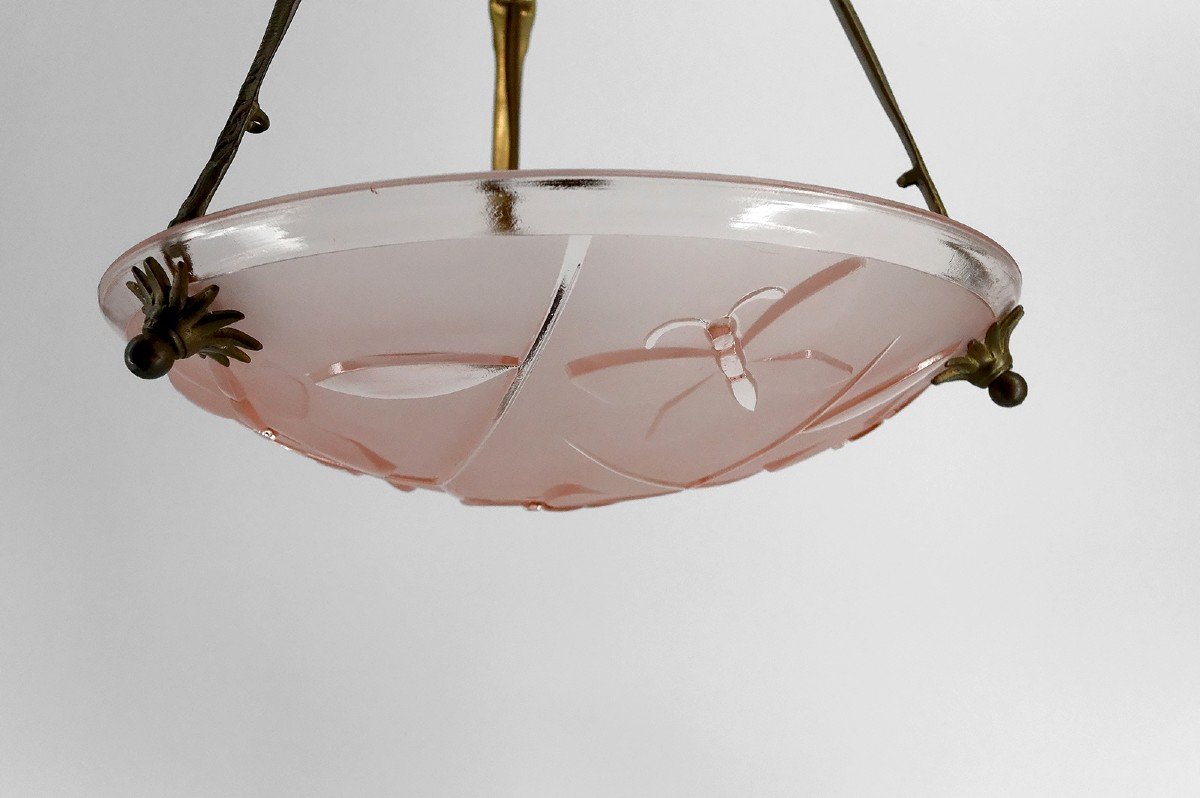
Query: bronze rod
918,175
246,116
512,23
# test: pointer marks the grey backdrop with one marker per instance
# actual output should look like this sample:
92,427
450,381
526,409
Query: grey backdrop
973,602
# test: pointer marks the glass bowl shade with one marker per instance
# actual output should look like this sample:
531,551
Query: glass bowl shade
568,339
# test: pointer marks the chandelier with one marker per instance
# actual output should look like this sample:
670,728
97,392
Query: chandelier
569,338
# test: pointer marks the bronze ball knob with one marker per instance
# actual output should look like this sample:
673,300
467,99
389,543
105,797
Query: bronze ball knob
1009,389
149,356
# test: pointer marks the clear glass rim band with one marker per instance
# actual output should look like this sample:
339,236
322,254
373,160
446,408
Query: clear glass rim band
566,202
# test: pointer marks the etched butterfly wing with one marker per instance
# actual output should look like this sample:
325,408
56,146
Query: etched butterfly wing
774,332
781,343
800,371
642,376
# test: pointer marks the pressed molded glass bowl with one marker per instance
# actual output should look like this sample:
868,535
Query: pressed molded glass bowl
569,339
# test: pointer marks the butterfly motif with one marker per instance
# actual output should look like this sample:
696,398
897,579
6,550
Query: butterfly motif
738,354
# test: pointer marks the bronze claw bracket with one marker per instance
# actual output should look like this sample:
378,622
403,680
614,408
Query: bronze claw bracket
988,363
178,324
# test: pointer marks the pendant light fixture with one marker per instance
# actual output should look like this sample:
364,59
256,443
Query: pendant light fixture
563,339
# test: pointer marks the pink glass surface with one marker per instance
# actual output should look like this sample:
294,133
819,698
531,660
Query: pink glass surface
561,340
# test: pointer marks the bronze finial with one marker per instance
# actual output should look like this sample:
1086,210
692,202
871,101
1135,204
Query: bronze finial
988,363
178,325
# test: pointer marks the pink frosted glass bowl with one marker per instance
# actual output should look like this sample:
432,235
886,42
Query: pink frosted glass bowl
569,339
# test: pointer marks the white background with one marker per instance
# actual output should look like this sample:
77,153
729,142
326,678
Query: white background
972,602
